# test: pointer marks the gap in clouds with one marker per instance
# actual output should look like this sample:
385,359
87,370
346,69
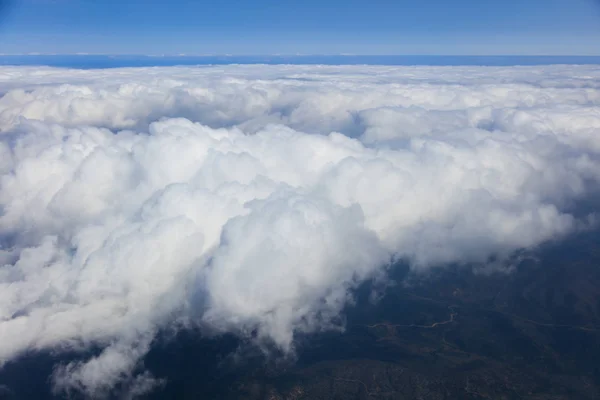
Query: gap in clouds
220,367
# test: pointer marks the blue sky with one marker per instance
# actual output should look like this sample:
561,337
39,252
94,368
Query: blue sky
477,27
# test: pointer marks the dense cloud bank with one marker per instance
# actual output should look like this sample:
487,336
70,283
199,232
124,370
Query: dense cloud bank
252,199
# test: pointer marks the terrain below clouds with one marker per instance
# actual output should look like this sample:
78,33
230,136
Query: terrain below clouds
252,201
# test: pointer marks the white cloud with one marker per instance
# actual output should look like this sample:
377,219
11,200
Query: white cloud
133,198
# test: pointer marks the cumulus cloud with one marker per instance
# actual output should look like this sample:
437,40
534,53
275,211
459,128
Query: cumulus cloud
253,199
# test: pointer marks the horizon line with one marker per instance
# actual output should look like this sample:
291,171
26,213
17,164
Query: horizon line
79,54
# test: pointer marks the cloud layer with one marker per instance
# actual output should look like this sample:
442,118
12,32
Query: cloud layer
252,199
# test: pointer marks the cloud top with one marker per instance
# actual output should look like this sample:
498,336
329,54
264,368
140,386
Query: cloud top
252,199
